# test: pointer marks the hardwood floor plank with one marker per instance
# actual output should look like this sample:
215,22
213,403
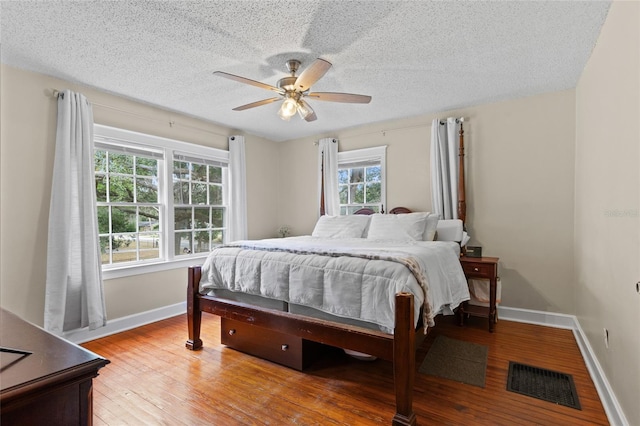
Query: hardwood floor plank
154,379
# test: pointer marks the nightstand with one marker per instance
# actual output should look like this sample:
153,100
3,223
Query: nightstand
487,268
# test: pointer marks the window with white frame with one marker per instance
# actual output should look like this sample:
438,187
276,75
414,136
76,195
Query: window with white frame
361,179
159,200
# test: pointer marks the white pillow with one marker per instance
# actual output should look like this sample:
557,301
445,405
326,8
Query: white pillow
432,226
352,226
450,230
398,227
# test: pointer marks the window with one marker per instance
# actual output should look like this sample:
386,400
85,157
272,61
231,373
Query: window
159,201
361,179
198,204
128,208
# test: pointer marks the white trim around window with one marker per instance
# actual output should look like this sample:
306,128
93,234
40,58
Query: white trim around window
366,157
167,150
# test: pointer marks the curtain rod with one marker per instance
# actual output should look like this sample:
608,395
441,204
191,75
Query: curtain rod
458,120
58,93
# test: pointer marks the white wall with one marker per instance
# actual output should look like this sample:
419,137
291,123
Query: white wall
607,218
520,171
28,115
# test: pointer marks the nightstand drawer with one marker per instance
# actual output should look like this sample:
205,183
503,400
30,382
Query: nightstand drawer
478,270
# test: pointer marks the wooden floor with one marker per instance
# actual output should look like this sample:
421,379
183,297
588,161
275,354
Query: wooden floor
153,379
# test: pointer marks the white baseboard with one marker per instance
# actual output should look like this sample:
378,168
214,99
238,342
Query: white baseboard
118,325
607,397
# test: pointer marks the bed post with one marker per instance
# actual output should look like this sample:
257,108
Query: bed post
462,203
404,360
194,315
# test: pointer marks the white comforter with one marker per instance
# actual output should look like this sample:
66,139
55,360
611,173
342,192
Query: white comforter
354,278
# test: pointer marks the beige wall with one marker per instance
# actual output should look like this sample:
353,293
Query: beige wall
607,219
520,171
28,137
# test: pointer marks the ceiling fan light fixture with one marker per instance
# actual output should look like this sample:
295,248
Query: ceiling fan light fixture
303,110
288,109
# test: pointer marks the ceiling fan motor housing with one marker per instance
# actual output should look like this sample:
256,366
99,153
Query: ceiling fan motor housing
287,83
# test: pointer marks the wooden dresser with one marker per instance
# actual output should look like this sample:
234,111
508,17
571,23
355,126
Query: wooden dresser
487,268
52,385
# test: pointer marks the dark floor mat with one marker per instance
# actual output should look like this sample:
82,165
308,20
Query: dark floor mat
543,384
457,360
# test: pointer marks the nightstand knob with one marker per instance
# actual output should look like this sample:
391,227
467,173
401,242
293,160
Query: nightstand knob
284,347
475,269
232,332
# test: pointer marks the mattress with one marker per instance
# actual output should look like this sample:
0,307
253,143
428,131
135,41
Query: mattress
349,280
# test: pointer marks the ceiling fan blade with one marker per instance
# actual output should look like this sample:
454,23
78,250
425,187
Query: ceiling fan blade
248,81
340,97
313,73
256,104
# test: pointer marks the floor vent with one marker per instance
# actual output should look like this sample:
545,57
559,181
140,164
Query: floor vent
543,384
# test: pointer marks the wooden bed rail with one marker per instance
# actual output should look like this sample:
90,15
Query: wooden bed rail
399,348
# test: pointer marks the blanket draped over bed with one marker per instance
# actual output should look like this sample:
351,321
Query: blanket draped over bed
350,278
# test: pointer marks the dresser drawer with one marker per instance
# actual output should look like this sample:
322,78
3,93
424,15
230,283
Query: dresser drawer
479,270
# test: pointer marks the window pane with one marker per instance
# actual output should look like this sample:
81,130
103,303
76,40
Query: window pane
100,161
198,193
103,220
343,176
199,172
124,249
217,218
215,174
148,219
123,219
183,242
343,210
182,218
181,192
215,195
217,237
357,193
101,188
201,242
353,209
146,190
373,192
105,250
344,194
201,217
121,189
149,245
357,175
120,163
146,166
180,170
373,174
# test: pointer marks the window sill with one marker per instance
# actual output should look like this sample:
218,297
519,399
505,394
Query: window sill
127,271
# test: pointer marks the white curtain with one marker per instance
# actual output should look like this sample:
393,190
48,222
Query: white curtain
74,296
238,185
444,167
328,181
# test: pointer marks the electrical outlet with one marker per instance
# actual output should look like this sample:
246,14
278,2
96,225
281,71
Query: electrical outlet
606,338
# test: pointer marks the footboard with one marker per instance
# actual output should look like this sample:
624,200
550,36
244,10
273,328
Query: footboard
398,348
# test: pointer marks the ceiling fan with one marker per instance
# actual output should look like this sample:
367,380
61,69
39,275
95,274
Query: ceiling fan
294,89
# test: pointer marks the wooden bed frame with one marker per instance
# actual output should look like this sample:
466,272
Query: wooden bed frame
299,331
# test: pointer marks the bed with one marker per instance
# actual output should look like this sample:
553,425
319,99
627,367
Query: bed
279,302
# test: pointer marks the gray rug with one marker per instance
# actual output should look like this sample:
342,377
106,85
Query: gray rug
456,360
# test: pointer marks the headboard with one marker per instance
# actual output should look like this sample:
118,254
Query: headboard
395,210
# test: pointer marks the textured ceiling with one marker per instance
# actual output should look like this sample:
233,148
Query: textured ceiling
412,57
